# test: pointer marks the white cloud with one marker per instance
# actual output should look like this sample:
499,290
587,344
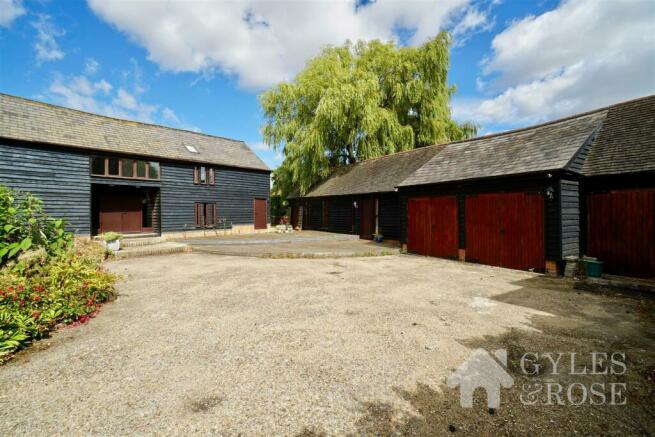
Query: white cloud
128,102
91,66
264,42
581,55
169,115
103,86
101,97
46,45
260,146
473,21
9,11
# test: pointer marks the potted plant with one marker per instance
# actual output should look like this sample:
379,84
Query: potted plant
112,240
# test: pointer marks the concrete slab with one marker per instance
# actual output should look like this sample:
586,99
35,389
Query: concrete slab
268,238
305,244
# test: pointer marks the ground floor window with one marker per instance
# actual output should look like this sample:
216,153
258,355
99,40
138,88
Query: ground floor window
205,214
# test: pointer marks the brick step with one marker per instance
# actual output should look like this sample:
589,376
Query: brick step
154,249
141,235
142,241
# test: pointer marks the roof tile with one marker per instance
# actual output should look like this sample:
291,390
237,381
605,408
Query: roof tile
29,120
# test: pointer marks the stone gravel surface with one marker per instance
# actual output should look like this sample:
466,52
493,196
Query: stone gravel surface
205,344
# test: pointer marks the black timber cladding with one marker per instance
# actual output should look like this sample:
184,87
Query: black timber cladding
233,192
343,217
60,178
569,198
340,215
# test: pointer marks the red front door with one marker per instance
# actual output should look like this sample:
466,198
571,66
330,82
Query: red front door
506,230
120,212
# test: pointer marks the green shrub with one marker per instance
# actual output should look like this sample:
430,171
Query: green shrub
45,277
62,289
24,225
111,236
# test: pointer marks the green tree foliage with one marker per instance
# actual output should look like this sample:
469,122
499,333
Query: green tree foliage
356,102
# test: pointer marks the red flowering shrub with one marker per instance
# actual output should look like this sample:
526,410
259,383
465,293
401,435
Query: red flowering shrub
44,279
65,289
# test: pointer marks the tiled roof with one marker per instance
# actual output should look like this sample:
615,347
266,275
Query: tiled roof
29,120
377,175
626,141
550,146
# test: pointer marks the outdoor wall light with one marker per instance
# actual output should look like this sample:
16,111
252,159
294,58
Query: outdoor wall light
355,204
550,193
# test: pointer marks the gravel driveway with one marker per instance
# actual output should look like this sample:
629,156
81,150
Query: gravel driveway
199,343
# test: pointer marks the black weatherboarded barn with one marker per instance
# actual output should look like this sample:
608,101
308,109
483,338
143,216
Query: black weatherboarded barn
527,199
107,174
360,198
524,199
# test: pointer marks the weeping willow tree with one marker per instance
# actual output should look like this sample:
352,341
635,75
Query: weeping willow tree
356,102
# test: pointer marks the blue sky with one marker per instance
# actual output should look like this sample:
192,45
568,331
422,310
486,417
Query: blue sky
201,65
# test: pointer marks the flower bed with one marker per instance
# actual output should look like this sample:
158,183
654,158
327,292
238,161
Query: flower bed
48,280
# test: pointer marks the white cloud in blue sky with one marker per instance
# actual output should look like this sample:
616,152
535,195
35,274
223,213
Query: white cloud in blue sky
262,42
9,11
581,55
46,47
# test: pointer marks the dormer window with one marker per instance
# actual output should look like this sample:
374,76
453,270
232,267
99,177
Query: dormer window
191,148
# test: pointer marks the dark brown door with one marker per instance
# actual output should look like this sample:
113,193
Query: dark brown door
621,231
432,226
367,218
261,219
120,212
506,230
294,217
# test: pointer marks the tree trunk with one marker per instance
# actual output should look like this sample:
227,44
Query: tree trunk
351,156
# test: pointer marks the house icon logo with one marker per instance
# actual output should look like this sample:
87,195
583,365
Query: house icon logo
481,370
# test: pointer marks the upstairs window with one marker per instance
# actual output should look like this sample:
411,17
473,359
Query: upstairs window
203,175
125,168
153,170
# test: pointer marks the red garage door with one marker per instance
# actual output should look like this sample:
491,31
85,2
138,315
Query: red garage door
621,231
506,230
432,226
